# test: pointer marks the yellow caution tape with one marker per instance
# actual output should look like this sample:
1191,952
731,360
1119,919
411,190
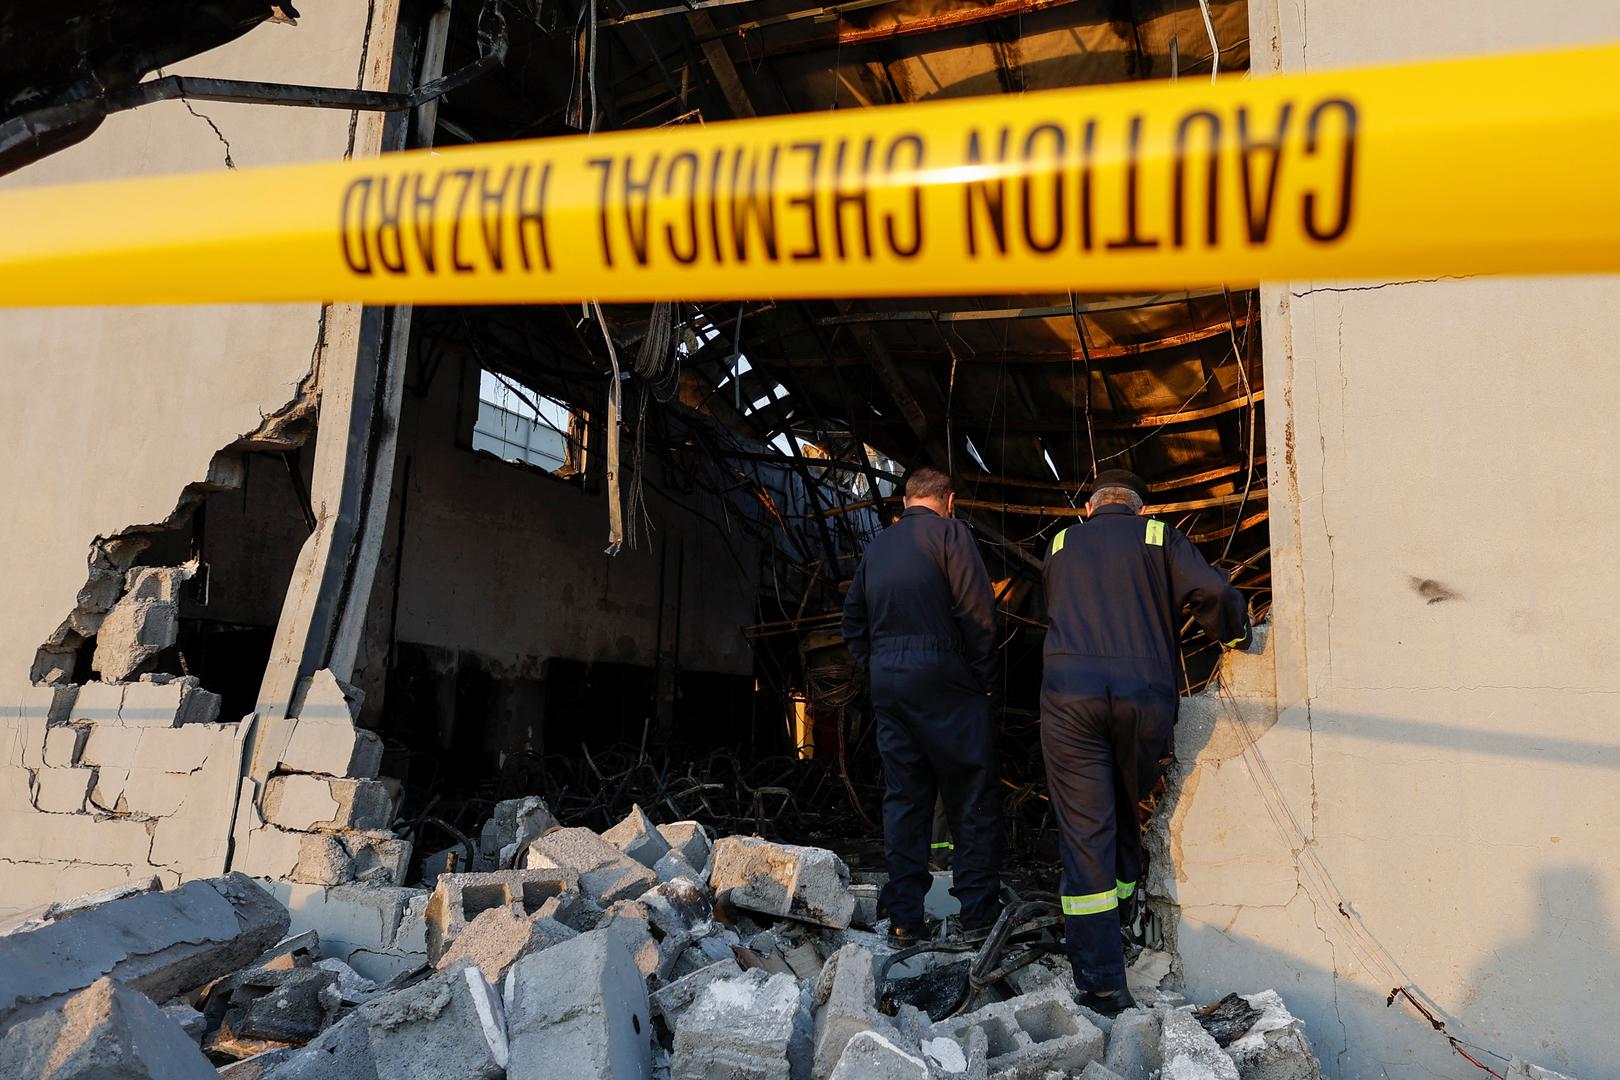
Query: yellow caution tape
1508,164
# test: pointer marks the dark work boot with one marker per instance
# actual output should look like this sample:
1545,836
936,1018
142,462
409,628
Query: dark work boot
1107,1002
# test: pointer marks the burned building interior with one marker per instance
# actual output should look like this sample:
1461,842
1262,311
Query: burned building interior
619,536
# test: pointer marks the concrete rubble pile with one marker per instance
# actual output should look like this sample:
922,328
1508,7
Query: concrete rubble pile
649,951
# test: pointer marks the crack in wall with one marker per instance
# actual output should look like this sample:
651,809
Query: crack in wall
205,118
1382,285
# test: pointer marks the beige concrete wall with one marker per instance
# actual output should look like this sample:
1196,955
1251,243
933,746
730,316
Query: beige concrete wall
1447,726
107,414
507,563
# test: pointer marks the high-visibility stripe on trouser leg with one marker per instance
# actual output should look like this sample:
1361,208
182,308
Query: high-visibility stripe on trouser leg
1091,903
1124,889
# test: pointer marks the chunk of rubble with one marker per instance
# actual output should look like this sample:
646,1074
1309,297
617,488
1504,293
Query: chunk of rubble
674,999
511,828
143,623
192,1022
673,866
1275,1046
870,1056
326,803
158,943
804,883
1098,1071
1133,1045
606,874
579,1011
105,1030
1191,1053
691,841
289,1006
1029,1035
638,838
628,921
738,1029
458,899
448,1027
846,1000
499,937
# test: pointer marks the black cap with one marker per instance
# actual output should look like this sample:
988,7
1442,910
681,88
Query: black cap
1122,478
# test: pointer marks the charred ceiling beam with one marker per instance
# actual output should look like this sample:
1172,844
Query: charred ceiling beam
1123,420
1046,311
1064,511
23,137
1100,352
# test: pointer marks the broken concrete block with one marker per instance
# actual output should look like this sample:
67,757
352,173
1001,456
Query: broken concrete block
1274,1047
691,840
156,582
679,908
63,908
673,866
378,930
738,1029
257,1067
159,943
1028,1035
103,1031
62,791
62,745
192,1022
326,804
1133,1045
805,883
628,921
111,744
309,858
174,749
514,823
674,999
353,987
133,633
332,748
847,998
606,874
379,858
448,1027
458,899
143,792
1098,1071
98,703
638,838
288,1005
946,1056
578,1010
865,915
498,937
869,1056
1189,1052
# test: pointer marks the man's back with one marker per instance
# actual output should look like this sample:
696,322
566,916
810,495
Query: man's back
922,585
1115,587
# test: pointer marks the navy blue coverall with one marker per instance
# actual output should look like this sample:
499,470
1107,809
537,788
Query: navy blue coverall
920,617
1115,587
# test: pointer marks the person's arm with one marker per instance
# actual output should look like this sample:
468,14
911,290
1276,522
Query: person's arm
855,626
1218,607
974,603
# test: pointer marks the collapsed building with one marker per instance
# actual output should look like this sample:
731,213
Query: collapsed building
307,593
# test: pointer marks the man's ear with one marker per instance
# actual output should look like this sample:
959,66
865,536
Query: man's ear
950,503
